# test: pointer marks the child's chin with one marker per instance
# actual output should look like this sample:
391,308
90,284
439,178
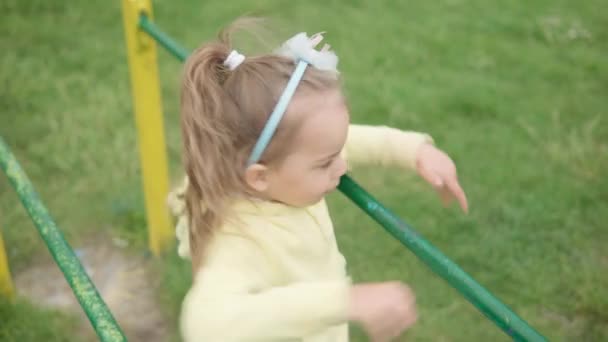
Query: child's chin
315,200
304,203
330,190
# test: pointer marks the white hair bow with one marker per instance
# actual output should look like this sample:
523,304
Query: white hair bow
302,47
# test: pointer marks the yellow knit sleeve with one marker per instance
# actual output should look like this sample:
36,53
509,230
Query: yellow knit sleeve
383,146
231,299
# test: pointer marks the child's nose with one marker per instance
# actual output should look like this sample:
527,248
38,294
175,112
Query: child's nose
341,167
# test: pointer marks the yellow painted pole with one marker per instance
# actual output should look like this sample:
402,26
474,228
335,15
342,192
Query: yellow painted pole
6,283
145,88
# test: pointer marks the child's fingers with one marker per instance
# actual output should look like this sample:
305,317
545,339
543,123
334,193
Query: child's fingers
456,190
431,177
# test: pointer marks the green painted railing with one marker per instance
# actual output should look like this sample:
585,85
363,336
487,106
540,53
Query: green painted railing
489,305
162,38
100,316
481,298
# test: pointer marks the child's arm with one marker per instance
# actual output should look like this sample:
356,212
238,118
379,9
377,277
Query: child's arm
231,300
382,145
229,303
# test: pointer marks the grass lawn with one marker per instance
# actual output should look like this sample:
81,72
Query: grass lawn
515,92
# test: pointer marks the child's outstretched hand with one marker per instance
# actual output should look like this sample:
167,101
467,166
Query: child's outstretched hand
439,170
384,310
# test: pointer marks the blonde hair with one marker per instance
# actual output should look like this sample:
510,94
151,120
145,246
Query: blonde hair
222,115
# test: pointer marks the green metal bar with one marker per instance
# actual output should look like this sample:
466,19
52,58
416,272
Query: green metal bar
100,316
489,305
162,38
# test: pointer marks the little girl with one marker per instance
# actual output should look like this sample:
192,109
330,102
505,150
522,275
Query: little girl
265,138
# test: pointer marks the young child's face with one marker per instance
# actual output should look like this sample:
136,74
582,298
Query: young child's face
315,164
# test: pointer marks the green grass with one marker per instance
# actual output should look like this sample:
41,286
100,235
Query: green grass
22,321
515,92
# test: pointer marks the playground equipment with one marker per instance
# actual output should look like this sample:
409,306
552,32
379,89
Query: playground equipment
141,37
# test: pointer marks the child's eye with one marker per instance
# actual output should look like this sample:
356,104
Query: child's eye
326,165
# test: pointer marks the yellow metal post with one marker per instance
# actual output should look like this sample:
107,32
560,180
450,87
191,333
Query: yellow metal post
6,283
145,88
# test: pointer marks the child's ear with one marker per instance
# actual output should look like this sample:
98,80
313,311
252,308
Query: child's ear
256,176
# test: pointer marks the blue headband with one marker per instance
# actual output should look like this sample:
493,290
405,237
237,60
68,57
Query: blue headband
301,49
277,113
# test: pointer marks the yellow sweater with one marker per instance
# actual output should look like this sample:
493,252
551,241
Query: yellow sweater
274,272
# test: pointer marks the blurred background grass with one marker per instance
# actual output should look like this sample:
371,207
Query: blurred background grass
515,92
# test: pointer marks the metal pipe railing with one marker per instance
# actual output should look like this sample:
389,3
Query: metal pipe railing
485,301
162,38
91,302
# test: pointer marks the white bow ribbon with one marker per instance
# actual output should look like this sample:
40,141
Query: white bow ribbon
301,47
